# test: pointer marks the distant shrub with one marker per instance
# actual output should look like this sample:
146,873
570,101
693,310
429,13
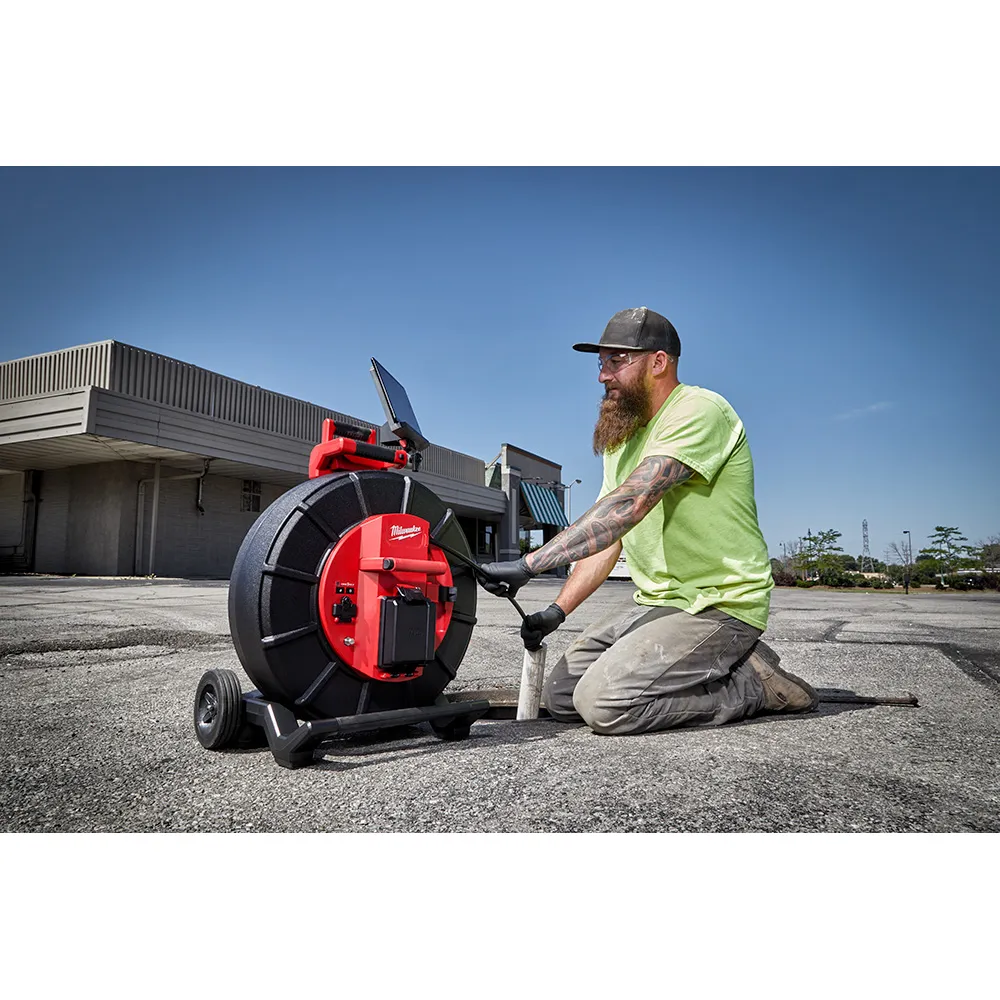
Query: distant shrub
805,583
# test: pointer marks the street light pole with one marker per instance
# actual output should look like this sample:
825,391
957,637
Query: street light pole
908,545
569,499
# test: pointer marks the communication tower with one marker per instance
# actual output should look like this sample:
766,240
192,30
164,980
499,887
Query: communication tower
867,566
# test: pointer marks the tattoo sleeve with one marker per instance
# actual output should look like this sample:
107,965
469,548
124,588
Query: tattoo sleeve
612,516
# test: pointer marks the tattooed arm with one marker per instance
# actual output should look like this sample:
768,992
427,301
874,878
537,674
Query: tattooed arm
612,516
594,540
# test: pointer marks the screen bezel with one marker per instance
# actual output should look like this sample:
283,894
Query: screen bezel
400,428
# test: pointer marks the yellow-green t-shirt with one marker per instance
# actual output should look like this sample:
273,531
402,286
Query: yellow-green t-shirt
701,545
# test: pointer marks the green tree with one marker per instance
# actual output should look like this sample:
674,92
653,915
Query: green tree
819,552
923,571
949,550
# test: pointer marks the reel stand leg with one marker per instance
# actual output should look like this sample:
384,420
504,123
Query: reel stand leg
293,743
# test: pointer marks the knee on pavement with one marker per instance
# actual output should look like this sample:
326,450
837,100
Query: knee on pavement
603,718
560,709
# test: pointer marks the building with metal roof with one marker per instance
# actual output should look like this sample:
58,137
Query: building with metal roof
117,461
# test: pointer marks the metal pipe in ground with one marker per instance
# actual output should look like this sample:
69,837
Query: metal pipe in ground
529,696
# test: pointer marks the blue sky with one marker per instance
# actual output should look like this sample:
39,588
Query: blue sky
849,315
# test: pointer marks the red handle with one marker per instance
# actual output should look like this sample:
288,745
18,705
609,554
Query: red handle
428,566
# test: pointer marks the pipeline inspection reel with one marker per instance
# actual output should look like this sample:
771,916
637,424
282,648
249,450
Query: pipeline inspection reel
351,602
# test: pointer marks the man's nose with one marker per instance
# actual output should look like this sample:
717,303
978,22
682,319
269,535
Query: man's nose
603,375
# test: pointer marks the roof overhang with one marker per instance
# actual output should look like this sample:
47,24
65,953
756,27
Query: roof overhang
92,425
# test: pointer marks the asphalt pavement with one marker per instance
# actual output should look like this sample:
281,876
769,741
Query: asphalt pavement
97,681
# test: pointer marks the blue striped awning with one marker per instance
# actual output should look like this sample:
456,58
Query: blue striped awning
544,505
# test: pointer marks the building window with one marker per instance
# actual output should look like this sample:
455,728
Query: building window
250,498
484,544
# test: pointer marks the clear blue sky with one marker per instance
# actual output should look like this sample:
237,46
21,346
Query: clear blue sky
849,315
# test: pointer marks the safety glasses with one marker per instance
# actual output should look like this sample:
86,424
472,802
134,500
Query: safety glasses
616,362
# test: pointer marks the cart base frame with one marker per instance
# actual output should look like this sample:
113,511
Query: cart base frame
293,743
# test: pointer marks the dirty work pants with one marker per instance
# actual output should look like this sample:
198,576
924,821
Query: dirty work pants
655,668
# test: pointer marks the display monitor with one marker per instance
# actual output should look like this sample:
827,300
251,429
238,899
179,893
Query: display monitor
398,411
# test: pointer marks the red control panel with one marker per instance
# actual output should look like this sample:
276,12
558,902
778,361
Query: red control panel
386,596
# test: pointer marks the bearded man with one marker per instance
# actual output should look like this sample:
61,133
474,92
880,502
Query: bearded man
678,498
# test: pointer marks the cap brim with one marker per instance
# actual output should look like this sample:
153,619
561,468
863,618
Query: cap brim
594,348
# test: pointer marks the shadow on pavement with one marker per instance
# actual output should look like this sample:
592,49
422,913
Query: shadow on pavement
385,746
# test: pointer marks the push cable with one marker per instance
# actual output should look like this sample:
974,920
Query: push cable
477,569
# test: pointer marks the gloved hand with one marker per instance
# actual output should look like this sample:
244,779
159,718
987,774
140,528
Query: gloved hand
504,578
536,627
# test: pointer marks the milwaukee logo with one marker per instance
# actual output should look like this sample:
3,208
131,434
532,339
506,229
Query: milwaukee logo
398,531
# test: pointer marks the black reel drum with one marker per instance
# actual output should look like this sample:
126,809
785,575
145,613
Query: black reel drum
274,612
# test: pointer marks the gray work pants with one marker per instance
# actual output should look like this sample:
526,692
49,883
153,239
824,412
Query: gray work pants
655,668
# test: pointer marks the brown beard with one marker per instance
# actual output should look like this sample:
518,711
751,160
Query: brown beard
620,418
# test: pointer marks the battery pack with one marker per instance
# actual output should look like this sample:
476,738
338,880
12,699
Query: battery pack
406,634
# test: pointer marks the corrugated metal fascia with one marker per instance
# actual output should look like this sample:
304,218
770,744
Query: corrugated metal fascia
480,499
121,416
37,417
56,371
453,464
161,379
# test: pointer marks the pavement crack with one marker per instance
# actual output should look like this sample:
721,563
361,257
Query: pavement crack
122,639
830,632
979,672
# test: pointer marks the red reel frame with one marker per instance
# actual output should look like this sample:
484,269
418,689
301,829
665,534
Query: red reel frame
371,562
346,447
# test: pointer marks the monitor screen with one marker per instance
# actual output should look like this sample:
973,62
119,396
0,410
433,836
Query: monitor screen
398,411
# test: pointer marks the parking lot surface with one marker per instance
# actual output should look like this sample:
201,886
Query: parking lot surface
97,681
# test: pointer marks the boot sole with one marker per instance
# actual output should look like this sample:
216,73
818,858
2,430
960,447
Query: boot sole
771,658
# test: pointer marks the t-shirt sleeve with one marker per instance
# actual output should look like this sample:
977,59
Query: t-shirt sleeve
698,433
606,485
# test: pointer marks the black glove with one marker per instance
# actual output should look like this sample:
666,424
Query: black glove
504,578
536,627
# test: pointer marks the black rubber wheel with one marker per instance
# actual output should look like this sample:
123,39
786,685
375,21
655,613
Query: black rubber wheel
457,729
273,596
218,709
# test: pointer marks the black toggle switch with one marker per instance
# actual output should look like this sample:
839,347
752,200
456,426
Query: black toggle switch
345,610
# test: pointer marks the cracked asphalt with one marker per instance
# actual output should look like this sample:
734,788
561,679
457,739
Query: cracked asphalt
97,680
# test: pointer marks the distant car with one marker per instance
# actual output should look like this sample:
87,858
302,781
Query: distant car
618,572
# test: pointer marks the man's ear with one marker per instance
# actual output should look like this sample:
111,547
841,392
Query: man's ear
661,360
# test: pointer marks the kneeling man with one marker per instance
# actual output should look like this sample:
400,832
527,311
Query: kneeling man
678,498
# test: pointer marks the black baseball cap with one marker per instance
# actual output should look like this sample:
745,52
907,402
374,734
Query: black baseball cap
637,330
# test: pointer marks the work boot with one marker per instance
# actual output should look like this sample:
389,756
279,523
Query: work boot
783,692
